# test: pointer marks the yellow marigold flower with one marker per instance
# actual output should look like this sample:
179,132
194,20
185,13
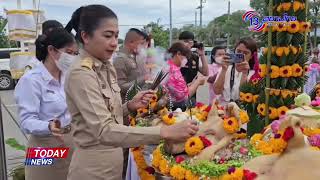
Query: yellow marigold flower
294,50
297,6
193,146
202,116
163,111
279,8
255,98
240,135
293,27
282,110
286,71
153,105
278,145
296,70
261,109
244,117
164,166
311,132
286,50
231,125
286,6
191,176
132,121
178,172
141,111
264,147
280,51
262,70
273,113
242,95
255,138
275,72
236,175
280,27
248,97
169,119
305,27
305,69
285,93
154,98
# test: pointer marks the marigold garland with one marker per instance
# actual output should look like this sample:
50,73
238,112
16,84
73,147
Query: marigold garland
164,166
193,146
237,174
169,119
178,172
141,164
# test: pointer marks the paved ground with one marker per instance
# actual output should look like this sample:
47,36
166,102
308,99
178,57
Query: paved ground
11,129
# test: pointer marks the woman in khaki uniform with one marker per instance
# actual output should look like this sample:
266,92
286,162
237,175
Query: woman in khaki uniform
93,98
42,103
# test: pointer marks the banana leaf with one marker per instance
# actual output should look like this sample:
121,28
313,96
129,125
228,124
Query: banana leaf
255,125
284,82
263,59
133,90
282,61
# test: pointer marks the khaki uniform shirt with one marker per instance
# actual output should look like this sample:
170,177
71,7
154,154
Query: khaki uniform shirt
129,69
93,98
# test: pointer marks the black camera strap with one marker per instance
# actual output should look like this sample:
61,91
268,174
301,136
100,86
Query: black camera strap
232,80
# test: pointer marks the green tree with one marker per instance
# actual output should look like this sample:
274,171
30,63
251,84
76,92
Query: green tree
4,39
159,34
258,5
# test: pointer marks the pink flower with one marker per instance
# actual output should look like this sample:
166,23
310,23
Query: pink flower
314,140
314,103
244,150
275,126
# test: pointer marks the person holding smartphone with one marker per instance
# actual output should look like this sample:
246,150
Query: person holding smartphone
234,71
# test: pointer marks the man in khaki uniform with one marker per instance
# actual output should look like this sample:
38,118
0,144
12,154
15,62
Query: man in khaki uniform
97,115
129,68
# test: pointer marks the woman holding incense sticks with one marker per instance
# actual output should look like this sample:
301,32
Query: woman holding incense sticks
176,85
94,101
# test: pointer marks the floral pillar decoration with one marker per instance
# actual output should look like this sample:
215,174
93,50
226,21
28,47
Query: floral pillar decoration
282,65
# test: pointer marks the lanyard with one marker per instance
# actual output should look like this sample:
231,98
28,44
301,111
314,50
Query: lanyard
232,81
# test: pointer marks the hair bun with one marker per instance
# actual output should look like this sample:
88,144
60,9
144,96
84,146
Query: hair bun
41,41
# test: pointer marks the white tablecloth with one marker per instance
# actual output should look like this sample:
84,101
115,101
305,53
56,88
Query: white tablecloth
132,170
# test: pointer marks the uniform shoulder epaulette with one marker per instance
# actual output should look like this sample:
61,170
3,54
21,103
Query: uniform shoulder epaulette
87,63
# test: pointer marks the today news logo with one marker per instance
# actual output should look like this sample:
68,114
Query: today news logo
258,23
45,156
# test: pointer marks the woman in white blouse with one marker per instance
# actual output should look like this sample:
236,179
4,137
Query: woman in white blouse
42,104
232,76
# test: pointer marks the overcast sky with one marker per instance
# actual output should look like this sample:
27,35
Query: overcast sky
135,13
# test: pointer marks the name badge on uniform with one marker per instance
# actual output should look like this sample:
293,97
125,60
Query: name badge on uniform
50,91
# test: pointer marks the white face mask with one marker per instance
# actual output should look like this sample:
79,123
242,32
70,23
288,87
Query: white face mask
184,62
65,61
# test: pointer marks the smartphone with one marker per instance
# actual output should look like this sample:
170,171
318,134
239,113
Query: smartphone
236,57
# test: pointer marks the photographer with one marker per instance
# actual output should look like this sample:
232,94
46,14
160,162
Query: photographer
193,66
234,74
